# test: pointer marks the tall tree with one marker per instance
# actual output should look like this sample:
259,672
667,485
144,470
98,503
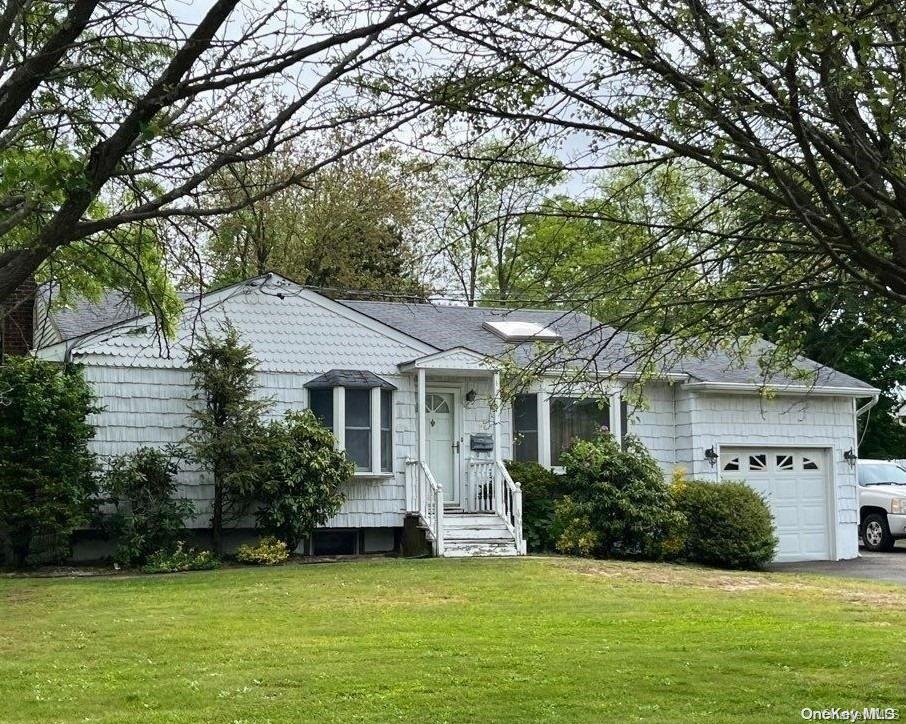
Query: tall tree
113,114
351,226
483,192
227,423
789,112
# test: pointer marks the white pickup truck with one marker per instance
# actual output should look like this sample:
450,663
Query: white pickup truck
882,503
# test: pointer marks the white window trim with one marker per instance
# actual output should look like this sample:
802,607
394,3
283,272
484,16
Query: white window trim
339,431
544,393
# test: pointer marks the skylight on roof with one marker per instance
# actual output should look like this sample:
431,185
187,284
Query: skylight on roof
512,331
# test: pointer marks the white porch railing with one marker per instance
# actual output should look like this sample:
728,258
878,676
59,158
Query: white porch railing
427,500
490,489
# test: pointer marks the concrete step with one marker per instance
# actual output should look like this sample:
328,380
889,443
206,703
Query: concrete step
472,519
468,549
477,533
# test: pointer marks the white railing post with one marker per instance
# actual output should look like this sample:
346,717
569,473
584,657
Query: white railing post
439,532
517,519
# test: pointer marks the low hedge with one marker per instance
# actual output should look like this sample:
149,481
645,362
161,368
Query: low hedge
541,489
727,524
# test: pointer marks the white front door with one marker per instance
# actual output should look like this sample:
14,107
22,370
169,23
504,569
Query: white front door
442,441
795,484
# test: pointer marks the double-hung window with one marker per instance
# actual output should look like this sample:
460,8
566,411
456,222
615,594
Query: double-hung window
358,407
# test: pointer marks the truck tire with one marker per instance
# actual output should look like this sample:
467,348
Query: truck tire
875,533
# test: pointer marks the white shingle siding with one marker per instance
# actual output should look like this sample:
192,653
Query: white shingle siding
652,421
147,396
825,423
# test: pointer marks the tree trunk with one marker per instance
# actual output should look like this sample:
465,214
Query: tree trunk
217,516
20,543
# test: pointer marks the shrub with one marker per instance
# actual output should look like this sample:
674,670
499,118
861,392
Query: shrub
727,524
180,559
300,477
268,552
541,489
47,473
148,518
617,502
227,426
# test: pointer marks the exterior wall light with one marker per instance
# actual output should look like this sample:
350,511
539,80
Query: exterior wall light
850,457
711,456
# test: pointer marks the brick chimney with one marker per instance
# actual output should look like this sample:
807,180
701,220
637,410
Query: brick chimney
18,320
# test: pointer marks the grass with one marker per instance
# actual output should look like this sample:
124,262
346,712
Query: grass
536,639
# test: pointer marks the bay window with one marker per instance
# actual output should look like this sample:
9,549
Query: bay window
358,407
320,402
358,428
386,431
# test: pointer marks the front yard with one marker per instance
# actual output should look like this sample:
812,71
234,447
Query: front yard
448,640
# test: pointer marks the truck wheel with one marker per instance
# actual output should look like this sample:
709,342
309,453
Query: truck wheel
875,533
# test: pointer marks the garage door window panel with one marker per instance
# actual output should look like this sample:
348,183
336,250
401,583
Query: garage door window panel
758,463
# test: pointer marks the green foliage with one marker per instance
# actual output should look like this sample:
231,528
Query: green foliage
267,552
300,477
180,559
602,252
727,524
541,489
480,202
352,227
860,336
47,473
227,427
147,518
617,503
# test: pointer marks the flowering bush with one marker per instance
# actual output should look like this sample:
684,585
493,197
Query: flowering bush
268,552
180,559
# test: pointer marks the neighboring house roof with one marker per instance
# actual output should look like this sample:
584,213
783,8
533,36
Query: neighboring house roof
83,316
362,379
586,341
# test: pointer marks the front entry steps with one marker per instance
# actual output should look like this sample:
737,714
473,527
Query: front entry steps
476,534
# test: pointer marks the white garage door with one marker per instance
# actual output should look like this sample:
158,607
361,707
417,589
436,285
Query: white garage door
795,483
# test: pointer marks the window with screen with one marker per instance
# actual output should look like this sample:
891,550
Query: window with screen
525,428
386,431
358,427
575,419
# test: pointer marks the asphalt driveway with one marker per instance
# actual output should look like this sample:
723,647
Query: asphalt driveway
887,567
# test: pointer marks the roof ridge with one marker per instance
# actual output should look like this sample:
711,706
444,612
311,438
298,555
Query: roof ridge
464,307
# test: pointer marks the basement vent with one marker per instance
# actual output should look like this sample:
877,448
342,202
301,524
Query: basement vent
512,331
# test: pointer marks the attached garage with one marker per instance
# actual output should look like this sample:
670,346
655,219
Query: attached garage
797,486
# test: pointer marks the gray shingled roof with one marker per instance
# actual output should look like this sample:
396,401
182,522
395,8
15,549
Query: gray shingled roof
82,316
446,327
362,379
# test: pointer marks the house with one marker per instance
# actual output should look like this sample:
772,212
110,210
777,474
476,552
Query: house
413,394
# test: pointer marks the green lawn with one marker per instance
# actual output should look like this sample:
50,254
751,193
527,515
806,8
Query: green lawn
448,640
